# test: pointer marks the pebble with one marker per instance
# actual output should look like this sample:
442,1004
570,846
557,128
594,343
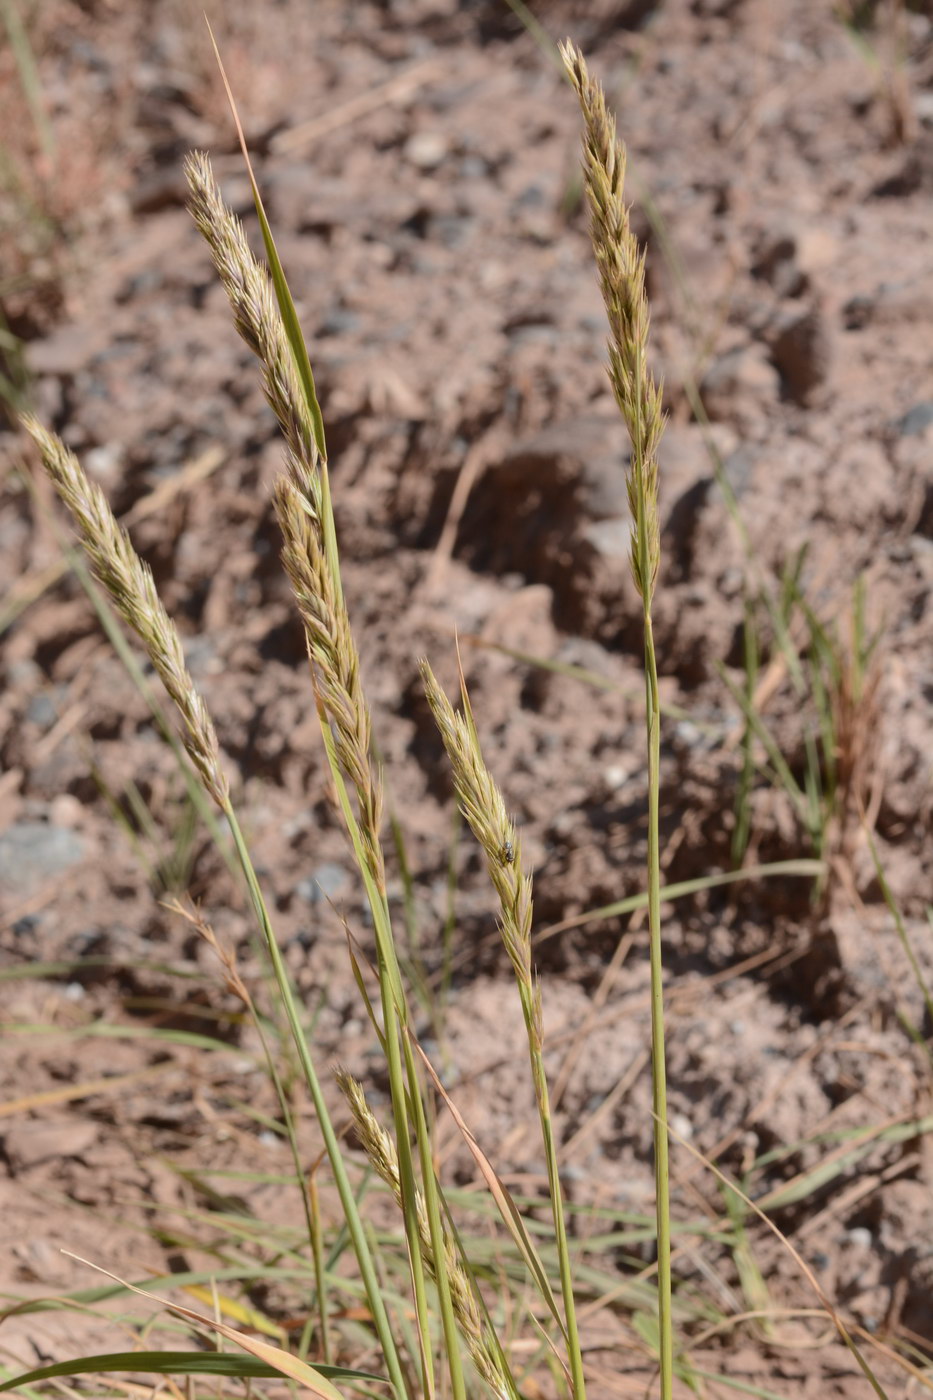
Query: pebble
33,852
42,710
860,1237
681,1126
426,150
104,464
610,538
916,420
324,882
65,810
739,383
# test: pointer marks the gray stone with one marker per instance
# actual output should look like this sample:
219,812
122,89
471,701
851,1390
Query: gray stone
32,853
42,710
916,420
325,882
611,538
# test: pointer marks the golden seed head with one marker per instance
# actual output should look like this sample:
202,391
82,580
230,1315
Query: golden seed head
132,590
621,266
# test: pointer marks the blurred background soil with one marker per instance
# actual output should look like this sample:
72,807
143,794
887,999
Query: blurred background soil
420,164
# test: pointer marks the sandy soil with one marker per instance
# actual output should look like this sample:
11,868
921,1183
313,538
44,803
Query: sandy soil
420,164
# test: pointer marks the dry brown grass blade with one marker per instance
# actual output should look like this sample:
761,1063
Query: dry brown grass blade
477,458
283,1361
68,1093
508,1211
824,1299
400,86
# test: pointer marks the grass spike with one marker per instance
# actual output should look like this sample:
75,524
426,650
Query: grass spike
484,808
131,587
621,266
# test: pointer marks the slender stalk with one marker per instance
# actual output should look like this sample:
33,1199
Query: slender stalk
346,729
466,1301
239,989
407,1178
331,1143
746,781
482,804
407,1112
621,266
658,1057
574,1349
320,1270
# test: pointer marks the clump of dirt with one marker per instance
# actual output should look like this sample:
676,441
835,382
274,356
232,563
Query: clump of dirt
419,161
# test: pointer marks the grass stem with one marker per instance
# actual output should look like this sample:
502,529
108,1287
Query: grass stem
342,1181
621,266
658,1055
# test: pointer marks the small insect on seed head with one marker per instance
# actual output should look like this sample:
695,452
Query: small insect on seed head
508,853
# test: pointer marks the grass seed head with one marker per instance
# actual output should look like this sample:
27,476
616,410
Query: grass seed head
621,266
383,1157
335,663
131,587
331,647
482,804
255,313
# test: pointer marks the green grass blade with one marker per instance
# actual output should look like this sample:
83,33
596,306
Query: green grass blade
177,1363
793,869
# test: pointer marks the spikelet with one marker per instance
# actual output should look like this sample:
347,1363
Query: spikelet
621,265
132,589
383,1157
255,312
335,665
484,808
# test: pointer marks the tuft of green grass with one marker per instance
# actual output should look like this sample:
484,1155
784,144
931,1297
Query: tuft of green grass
832,674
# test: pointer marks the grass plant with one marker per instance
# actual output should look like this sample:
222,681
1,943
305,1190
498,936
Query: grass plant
265,317
832,674
436,1299
621,265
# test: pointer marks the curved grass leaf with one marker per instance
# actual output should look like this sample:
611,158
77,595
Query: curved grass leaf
282,1362
178,1363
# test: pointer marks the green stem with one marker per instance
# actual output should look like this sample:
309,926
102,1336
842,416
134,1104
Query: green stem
396,1021
432,1202
574,1350
658,1069
320,1271
406,1169
331,1143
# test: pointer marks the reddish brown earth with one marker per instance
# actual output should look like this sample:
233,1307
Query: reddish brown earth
419,160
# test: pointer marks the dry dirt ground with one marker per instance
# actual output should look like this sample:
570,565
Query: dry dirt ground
419,160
